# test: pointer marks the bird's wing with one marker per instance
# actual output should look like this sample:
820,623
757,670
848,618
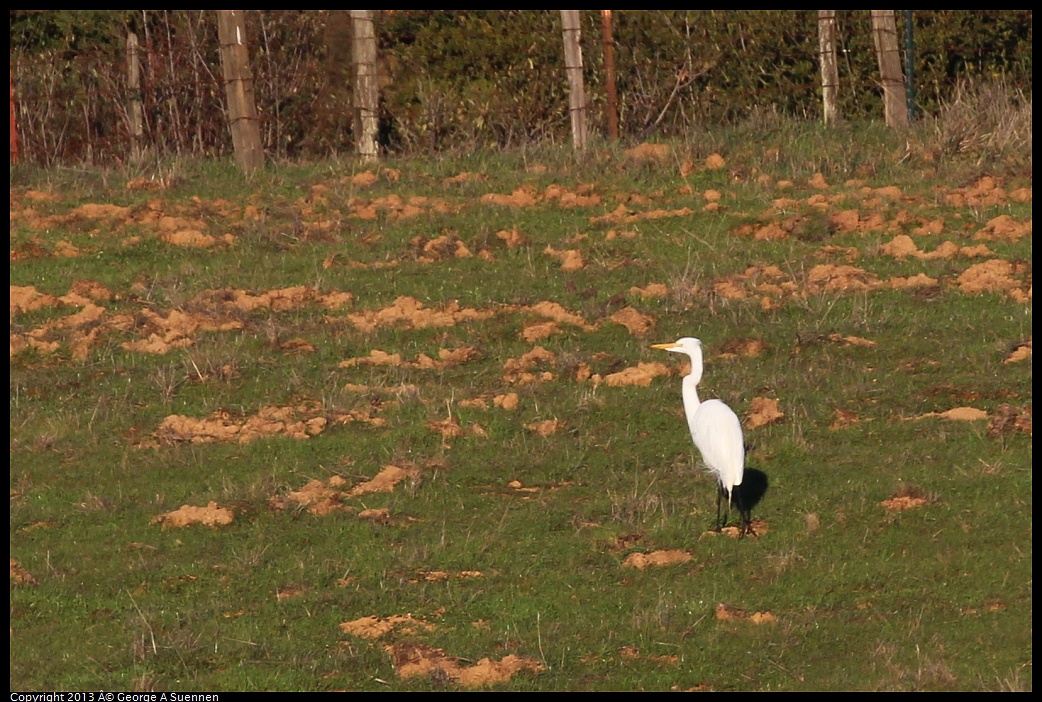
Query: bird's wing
718,436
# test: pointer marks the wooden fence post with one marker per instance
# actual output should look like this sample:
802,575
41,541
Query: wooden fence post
367,91
238,87
829,69
134,99
895,102
573,63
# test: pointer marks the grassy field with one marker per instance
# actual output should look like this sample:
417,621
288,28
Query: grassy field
429,447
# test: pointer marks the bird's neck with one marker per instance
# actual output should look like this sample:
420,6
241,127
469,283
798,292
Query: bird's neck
690,388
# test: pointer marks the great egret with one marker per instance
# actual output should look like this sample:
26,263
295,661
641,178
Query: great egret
716,432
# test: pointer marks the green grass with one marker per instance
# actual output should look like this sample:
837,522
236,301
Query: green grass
934,598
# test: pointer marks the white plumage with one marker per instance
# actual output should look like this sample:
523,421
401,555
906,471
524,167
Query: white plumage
715,429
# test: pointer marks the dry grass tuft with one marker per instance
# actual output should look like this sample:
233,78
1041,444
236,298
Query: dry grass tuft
988,120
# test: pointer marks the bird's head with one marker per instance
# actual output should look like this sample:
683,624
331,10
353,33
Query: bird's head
692,347
686,345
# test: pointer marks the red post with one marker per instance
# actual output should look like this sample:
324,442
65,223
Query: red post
609,75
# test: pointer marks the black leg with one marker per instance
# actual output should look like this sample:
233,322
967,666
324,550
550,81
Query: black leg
745,515
719,496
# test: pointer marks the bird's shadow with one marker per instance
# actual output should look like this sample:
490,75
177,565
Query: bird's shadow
753,488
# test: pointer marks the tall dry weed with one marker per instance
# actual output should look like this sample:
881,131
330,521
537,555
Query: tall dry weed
988,120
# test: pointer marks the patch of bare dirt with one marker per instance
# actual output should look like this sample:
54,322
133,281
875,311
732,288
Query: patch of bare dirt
571,259
278,300
518,486
28,298
655,559
437,576
464,177
759,528
523,196
902,246
639,325
36,196
377,515
93,210
827,277
322,498
851,340
194,239
1022,352
440,248
171,331
546,427
211,515
147,184
957,414
994,275
396,207
20,576
908,497
377,627
1008,419
919,280
540,330
583,196
91,289
512,238
507,401
300,422
748,348
985,192
413,660
289,592
384,481
844,419
651,290
818,181
715,162
319,498
65,249
410,313
450,428
769,283
1004,228
34,248
763,411
80,329
558,313
623,215
640,375
447,358
648,153
727,613
521,370
364,179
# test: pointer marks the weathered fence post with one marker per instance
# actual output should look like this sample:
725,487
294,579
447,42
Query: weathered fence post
573,63
238,87
367,91
895,103
134,99
829,69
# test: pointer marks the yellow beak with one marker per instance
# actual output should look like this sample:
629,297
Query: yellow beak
670,345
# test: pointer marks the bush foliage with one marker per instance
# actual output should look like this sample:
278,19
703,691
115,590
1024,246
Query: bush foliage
465,79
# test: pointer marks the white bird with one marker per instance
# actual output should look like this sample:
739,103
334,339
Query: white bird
716,432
